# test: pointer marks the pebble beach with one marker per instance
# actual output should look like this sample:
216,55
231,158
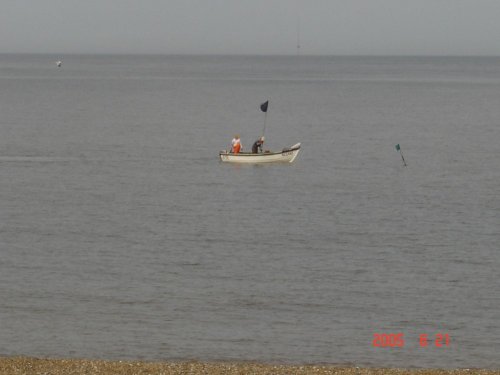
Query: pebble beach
38,366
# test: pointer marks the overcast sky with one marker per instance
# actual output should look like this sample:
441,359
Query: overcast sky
329,27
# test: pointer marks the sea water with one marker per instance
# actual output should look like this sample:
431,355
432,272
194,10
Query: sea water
122,236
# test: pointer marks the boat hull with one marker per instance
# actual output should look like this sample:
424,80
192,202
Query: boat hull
288,155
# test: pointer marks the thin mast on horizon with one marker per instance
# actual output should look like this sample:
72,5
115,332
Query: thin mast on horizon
298,36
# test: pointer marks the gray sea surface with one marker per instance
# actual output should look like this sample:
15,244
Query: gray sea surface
122,236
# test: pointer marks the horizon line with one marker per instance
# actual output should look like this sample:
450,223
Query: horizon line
238,54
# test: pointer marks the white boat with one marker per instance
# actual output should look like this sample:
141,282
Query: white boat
287,155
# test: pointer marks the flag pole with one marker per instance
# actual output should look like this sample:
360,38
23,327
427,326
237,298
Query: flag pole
265,121
398,147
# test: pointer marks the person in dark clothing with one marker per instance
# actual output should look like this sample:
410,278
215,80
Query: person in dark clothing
258,145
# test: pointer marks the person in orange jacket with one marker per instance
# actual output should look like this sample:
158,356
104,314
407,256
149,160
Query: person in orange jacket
236,144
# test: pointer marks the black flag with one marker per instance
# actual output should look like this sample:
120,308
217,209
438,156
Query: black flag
263,106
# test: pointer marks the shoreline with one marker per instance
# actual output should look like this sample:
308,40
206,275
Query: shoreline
33,365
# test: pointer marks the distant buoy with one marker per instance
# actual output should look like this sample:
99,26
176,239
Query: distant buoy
59,63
